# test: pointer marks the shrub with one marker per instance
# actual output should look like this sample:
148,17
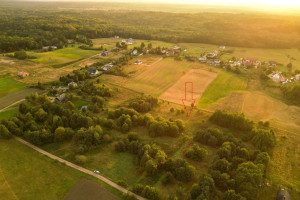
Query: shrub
196,153
81,159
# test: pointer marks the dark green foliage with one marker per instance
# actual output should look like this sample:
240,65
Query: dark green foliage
181,169
204,190
138,189
151,193
168,178
210,136
128,197
122,183
263,139
222,180
292,93
4,132
231,195
143,103
231,120
20,55
262,158
221,165
196,153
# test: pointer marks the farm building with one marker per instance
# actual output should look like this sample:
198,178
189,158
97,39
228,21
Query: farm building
47,48
72,84
138,62
212,55
177,49
104,53
23,74
134,52
107,66
130,41
272,63
93,72
297,77
283,194
61,98
202,59
116,37
222,47
169,52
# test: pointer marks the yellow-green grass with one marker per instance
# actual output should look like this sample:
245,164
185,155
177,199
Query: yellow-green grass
13,97
61,56
8,113
222,86
159,77
33,176
8,86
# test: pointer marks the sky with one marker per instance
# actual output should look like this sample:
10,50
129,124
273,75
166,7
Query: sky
273,3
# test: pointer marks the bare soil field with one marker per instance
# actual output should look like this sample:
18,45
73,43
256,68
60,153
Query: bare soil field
200,79
86,189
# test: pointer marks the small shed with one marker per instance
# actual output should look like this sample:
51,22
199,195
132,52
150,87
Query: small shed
23,74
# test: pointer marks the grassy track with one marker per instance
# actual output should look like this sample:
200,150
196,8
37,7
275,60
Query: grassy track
222,86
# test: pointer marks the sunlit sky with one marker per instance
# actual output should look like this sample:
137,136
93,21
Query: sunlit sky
285,3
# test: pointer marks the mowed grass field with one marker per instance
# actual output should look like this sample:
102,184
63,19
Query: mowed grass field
225,84
61,56
157,78
199,79
8,86
28,175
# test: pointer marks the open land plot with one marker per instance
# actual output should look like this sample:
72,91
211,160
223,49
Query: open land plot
159,77
198,77
86,189
8,86
222,86
61,56
38,177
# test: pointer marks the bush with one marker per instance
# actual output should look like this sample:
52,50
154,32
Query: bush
128,197
81,159
122,183
151,193
20,55
4,133
263,139
196,153
168,178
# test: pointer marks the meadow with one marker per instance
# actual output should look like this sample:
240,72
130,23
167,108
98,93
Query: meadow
225,84
27,174
8,86
59,57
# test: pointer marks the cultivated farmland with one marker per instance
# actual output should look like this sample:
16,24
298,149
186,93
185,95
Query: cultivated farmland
200,79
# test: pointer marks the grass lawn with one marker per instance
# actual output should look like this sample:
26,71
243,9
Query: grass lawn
222,86
9,113
61,56
8,86
31,175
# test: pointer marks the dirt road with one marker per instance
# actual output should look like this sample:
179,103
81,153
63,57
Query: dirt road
107,181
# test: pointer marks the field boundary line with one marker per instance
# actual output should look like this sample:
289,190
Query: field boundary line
3,109
79,168
8,185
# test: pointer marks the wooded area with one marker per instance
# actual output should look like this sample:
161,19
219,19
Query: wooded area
34,27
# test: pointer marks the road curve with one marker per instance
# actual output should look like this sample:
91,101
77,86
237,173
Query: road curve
102,178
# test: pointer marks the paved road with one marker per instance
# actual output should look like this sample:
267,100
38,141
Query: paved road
107,181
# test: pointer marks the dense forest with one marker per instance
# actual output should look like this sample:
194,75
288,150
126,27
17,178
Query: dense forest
32,27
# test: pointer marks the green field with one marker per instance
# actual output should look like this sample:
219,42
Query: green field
31,175
61,56
8,86
222,86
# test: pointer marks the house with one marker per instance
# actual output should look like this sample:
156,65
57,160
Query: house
104,53
297,77
272,63
217,62
222,47
23,74
61,98
116,37
138,62
49,47
202,59
210,62
252,61
283,194
72,84
212,55
170,52
93,72
83,108
107,67
130,41
177,49
123,41
134,52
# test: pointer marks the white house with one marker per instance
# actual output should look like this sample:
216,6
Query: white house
138,62
93,72
202,59
222,47
107,66
72,84
134,52
130,41
297,77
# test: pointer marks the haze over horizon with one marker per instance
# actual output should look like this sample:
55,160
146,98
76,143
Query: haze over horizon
272,3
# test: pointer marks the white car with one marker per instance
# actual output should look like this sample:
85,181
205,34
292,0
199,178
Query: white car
96,172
